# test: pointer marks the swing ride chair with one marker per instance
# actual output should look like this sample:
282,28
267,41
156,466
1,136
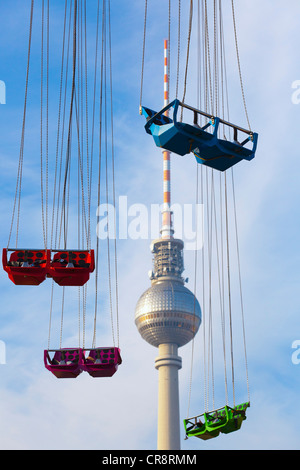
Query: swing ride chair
183,138
69,363
26,267
71,267
64,363
209,425
101,362
68,267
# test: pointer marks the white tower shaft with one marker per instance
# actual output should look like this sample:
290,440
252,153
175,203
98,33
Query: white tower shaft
168,363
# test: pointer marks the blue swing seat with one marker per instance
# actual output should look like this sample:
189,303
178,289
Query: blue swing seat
183,138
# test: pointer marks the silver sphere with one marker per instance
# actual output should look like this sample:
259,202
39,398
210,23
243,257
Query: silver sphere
168,312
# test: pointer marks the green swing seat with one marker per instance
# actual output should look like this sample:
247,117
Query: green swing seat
209,425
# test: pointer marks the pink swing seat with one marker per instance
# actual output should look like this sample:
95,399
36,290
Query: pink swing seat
101,362
65,363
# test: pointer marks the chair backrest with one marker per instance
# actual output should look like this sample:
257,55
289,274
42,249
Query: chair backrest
216,419
69,356
106,356
240,410
80,259
36,258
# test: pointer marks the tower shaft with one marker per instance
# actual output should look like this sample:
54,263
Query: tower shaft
168,428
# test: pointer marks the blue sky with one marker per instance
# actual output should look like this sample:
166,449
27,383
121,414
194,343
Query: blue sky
39,412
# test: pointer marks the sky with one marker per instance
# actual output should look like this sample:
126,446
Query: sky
41,412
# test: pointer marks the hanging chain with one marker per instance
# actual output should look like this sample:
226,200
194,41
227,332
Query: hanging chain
195,287
50,315
178,47
169,46
20,166
93,119
67,173
239,63
221,290
113,178
240,284
143,55
188,51
107,191
229,290
41,122
62,317
99,179
208,74
45,211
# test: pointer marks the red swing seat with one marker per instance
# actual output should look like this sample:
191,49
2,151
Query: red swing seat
26,267
71,268
65,363
101,362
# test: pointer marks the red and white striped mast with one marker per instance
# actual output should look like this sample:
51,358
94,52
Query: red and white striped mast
168,362
160,310
166,230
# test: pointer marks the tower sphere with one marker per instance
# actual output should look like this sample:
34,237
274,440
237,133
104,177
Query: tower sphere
168,312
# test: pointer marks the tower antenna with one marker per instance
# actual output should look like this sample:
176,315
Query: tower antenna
167,315
166,230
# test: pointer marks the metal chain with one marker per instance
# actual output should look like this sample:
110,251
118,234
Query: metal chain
62,317
79,312
195,288
207,63
58,126
113,178
204,300
143,56
99,179
239,63
188,52
107,191
93,117
210,309
70,123
20,166
41,121
178,47
240,283
45,217
169,44
50,314
229,290
87,130
47,119
221,289
215,60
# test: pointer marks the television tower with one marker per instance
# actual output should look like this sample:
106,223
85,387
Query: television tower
167,315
